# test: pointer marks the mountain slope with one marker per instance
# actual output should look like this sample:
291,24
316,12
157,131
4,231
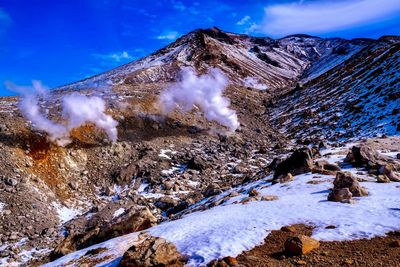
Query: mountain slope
359,97
275,63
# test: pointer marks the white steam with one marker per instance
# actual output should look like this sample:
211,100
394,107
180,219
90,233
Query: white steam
79,109
253,82
76,110
203,91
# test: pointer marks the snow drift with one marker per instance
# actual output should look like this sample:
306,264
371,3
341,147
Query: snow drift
205,92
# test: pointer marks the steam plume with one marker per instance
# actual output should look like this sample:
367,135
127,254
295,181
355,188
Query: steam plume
203,91
77,110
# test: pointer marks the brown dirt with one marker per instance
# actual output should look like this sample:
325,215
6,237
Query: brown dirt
364,252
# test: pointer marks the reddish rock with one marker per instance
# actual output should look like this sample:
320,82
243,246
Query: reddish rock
300,245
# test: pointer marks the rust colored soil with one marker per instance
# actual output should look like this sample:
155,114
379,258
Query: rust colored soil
378,251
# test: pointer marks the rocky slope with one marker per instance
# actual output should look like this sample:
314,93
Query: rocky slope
287,93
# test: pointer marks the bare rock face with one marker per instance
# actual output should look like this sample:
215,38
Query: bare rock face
153,251
300,245
301,161
134,219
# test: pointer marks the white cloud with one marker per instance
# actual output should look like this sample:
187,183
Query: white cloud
243,21
168,35
114,58
324,16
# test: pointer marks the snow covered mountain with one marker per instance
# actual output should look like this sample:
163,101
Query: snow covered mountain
276,63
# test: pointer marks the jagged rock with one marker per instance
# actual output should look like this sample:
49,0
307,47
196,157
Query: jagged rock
253,192
388,171
134,219
238,169
153,251
324,167
382,179
11,181
269,198
284,178
165,203
212,190
365,155
225,262
300,245
301,161
340,195
347,180
289,229
395,244
197,163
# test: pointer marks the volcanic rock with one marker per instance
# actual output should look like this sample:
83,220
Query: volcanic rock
134,219
300,245
347,180
301,161
153,251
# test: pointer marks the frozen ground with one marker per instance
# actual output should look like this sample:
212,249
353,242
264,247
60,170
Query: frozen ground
229,229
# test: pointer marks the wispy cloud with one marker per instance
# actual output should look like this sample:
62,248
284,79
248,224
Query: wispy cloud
114,57
178,5
243,21
324,16
168,35
5,20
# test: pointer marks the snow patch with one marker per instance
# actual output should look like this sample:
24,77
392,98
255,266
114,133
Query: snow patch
64,213
118,212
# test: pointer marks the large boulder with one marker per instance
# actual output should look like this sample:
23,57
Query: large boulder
301,161
134,219
347,180
300,245
345,187
153,251
340,195
366,156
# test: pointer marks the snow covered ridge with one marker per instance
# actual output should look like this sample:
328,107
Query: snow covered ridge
275,63
358,98
236,227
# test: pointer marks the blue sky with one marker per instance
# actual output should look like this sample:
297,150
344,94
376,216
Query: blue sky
62,41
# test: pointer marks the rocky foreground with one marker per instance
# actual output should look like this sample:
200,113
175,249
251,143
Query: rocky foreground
340,194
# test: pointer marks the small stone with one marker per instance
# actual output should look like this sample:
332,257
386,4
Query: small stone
300,245
289,229
301,262
330,227
348,262
11,182
395,244
230,261
269,198
382,179
253,192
